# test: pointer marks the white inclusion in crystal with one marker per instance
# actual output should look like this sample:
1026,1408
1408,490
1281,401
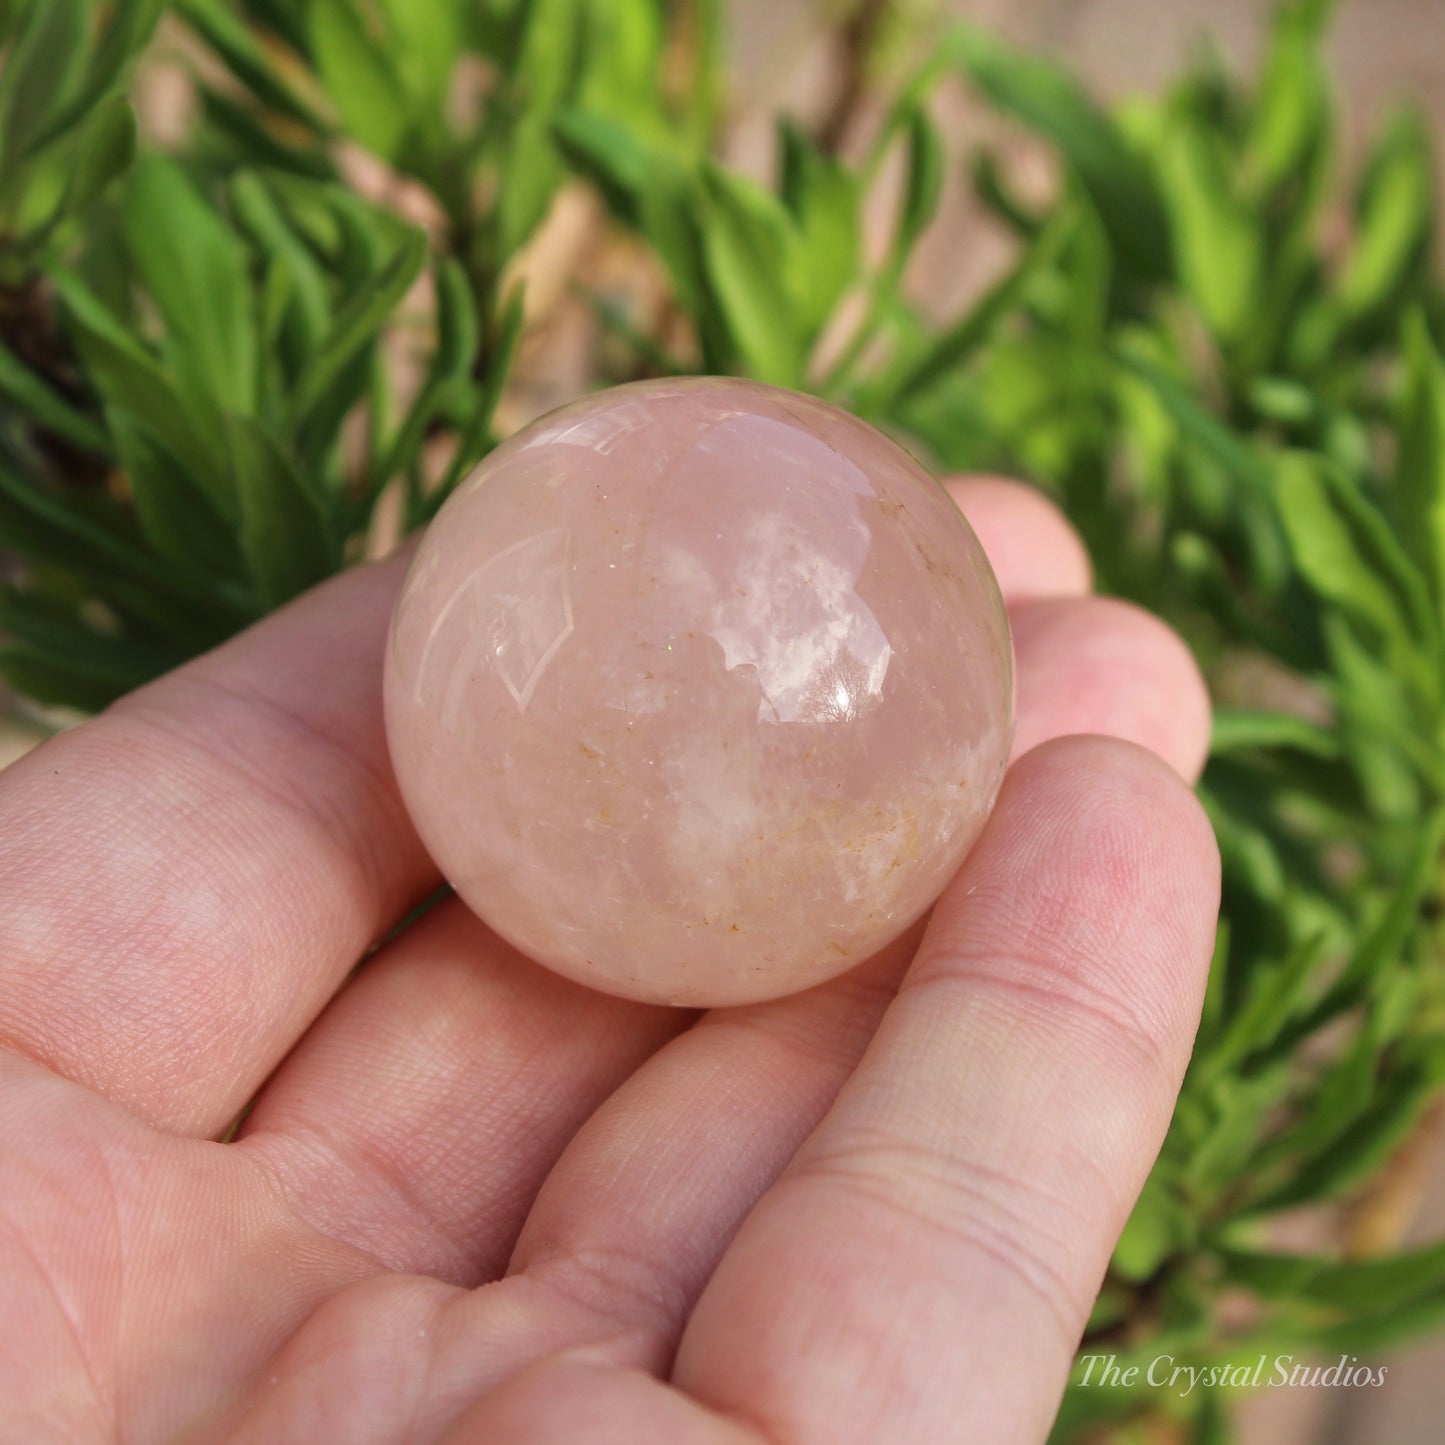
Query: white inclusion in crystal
517,613
795,616
787,602
717,818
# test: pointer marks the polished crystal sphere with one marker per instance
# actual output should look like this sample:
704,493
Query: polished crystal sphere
699,691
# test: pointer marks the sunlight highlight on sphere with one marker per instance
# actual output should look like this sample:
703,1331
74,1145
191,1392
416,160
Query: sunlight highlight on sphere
699,691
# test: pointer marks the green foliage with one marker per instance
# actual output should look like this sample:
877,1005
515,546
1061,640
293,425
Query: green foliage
462,99
65,132
189,428
201,413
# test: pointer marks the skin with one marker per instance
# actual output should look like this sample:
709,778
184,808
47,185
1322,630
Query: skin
477,1203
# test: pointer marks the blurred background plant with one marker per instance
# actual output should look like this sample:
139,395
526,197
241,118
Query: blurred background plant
260,342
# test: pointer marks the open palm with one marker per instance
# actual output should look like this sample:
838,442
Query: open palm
477,1203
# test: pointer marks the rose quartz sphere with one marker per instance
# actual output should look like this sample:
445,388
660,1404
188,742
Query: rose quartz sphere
699,691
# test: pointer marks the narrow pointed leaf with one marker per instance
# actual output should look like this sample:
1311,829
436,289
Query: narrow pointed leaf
360,75
359,323
1420,471
44,407
1037,92
195,270
176,514
284,535
127,375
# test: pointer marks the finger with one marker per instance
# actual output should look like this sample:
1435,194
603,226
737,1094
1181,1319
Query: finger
1027,539
960,1200
429,1035
1098,665
1086,657
583,1395
631,1223
186,879
418,1120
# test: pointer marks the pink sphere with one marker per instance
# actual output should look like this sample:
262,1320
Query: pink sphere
699,691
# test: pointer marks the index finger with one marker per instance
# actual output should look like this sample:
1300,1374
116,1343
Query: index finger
186,879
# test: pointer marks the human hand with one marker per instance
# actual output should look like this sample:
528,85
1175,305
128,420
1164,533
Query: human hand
475,1202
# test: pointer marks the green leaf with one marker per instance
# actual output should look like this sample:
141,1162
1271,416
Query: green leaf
239,132
1077,298
472,445
1376,1284
359,72
1378,707
1243,471
1226,447
283,19
1322,1109
531,172
1420,470
822,198
648,187
86,685
430,39
54,657
129,26
38,523
1378,949
278,295
621,54
1228,1115
284,536
104,151
195,270
45,408
1279,399
129,377
222,28
1325,551
1270,1275
992,187
1249,856
450,375
37,75
1216,986
1347,551
1217,241
458,323
748,246
546,52
1359,1150
359,323
1379,1330
953,347
1274,996
309,317
1291,118
1237,728
1311,16
1394,219
177,516
924,185
1048,100
1158,1226
614,157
